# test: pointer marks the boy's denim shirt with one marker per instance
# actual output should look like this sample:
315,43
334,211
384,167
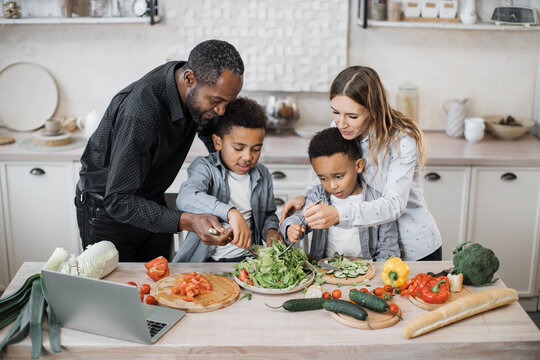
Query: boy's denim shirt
206,191
377,242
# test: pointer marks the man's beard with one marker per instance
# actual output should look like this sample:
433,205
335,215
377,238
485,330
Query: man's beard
196,113
192,108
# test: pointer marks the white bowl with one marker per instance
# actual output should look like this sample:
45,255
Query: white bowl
507,132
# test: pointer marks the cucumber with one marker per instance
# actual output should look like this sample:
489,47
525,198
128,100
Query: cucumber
302,304
369,301
345,307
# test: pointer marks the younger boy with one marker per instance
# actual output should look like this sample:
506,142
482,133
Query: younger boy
231,185
338,163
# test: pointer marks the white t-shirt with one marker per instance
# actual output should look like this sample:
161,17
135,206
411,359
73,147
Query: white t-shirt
240,188
345,241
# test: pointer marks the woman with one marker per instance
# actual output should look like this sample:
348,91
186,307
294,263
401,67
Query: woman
393,149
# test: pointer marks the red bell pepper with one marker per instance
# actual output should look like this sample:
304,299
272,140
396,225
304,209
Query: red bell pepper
436,291
157,268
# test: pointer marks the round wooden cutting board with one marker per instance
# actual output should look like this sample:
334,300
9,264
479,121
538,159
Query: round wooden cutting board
453,296
224,292
331,279
376,320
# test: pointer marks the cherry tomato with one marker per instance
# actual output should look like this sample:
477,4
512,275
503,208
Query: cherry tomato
243,275
145,289
326,295
132,283
354,289
393,308
388,288
379,291
336,294
141,295
150,300
365,290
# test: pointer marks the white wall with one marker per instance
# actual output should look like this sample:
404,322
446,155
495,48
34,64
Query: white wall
496,70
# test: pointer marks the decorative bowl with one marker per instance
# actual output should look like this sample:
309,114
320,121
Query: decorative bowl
507,132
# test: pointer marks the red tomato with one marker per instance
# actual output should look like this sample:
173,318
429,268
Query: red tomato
243,275
364,290
379,291
336,294
388,288
145,288
132,283
150,300
354,289
141,295
393,308
326,295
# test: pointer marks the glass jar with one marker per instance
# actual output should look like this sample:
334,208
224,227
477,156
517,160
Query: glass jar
407,100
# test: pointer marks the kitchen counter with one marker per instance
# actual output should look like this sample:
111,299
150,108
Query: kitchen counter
248,329
292,149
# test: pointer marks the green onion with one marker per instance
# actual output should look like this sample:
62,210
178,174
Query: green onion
54,331
25,307
37,306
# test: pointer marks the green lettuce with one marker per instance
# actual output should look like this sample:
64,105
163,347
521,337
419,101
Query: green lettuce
268,270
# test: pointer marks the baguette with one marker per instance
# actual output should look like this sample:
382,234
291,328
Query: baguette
459,309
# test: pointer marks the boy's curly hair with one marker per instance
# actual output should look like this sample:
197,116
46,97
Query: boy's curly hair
242,112
329,141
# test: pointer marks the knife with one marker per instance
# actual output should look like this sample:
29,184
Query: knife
324,265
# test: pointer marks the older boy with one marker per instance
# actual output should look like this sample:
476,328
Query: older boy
338,164
231,185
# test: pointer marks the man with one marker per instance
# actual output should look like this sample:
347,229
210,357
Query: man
141,144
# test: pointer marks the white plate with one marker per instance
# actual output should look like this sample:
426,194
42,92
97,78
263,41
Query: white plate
28,94
310,278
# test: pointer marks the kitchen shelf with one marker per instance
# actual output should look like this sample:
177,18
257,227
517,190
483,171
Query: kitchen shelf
447,25
80,20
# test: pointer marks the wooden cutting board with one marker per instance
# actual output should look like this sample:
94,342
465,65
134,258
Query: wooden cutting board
376,320
331,279
429,307
224,292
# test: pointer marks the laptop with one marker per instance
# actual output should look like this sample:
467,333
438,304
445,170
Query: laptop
106,308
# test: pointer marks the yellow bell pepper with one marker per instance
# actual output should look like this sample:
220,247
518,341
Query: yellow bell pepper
394,272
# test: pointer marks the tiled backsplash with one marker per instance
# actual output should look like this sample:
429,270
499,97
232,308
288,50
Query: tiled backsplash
287,45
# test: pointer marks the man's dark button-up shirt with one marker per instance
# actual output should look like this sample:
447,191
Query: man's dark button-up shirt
138,149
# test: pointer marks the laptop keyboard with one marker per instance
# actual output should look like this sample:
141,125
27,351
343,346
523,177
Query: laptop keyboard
155,326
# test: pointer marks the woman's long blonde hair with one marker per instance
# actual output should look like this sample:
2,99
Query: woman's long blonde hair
362,84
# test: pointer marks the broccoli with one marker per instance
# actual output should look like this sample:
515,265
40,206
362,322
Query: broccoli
476,263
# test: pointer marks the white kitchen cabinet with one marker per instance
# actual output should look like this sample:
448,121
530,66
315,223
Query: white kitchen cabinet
38,210
446,190
4,269
504,216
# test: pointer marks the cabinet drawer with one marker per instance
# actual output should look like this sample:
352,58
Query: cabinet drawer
504,217
446,190
39,210
291,175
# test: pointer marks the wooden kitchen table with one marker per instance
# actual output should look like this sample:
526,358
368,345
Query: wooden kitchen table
248,329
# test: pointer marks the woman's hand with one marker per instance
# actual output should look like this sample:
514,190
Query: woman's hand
321,216
240,229
291,206
273,236
294,231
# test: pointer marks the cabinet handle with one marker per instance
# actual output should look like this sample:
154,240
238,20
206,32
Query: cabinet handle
279,201
278,175
37,171
508,176
432,176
